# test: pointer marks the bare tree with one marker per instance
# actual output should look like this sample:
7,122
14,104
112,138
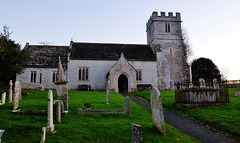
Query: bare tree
224,74
186,45
6,33
45,43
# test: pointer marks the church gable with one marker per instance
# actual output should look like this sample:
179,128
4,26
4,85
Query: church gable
102,51
122,67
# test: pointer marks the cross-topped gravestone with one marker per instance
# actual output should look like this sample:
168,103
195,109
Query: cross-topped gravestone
157,110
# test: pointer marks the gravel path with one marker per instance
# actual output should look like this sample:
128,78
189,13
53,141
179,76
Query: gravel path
185,125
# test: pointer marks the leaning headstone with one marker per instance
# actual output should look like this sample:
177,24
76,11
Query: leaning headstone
215,84
57,112
202,83
136,133
50,125
157,110
3,98
1,133
237,93
126,105
43,137
10,91
107,90
16,95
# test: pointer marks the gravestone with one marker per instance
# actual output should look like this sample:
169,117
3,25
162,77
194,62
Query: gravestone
157,110
10,91
237,93
1,133
126,105
16,95
50,125
136,133
215,84
66,102
43,137
107,90
20,91
57,112
3,98
202,83
61,103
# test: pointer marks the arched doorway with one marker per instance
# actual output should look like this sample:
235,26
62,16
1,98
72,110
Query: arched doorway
123,83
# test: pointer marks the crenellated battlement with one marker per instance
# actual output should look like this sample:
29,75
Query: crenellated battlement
163,17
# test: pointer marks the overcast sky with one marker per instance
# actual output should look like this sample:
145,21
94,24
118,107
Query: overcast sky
213,25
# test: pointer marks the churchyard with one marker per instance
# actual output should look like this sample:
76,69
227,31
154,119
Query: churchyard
218,118
82,127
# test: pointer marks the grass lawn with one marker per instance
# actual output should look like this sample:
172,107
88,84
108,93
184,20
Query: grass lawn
82,128
221,117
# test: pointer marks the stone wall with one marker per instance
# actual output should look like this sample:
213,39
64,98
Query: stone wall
47,73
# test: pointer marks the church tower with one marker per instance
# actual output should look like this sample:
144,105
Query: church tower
164,36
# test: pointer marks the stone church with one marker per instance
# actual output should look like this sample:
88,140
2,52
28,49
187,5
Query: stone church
122,67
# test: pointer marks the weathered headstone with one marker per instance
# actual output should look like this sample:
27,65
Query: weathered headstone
20,91
50,125
126,105
66,102
57,112
3,98
237,93
10,91
157,110
136,133
43,137
1,133
215,84
202,83
107,90
16,95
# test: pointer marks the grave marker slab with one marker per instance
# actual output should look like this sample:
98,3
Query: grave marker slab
136,133
157,110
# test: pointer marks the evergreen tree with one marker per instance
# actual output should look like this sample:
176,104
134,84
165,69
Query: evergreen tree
206,69
12,58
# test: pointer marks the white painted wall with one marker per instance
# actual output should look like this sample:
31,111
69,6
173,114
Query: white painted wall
99,69
47,73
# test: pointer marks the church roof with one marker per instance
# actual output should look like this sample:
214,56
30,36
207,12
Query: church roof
46,56
105,51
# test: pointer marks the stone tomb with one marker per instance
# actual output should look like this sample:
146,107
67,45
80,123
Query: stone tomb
157,110
126,109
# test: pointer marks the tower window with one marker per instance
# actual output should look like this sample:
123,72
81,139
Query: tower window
33,76
83,74
139,75
167,27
